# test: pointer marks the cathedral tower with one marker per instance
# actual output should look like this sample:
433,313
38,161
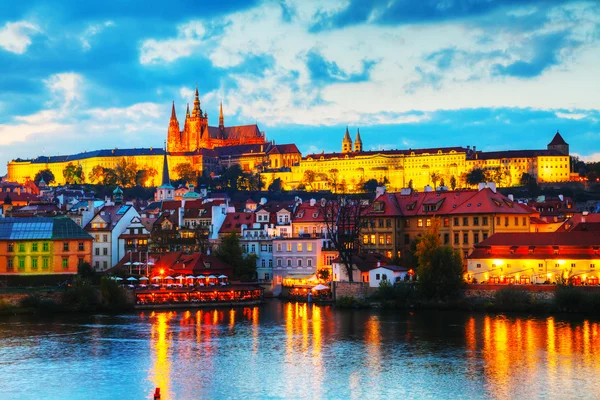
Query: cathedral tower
173,135
347,143
559,144
357,142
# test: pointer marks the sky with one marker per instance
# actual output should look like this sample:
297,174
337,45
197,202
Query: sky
78,75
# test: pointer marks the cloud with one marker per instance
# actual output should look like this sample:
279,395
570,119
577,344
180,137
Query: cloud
16,36
65,88
594,157
576,116
91,31
188,39
325,71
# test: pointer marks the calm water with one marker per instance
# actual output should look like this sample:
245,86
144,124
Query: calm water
297,351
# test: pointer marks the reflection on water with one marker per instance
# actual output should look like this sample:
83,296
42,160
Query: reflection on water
300,351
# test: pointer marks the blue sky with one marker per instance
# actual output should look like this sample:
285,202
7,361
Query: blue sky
506,74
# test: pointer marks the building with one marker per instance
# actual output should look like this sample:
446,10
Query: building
106,227
296,258
362,263
33,246
387,273
536,258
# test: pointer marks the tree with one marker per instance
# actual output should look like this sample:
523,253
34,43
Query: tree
275,186
531,183
186,172
85,271
442,182
145,177
370,186
73,174
309,178
46,174
525,178
96,175
342,219
439,267
110,177
410,184
333,179
435,177
230,252
475,176
125,172
453,182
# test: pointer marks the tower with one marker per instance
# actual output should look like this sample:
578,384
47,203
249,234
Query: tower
559,144
357,142
173,134
221,119
165,191
118,195
196,134
347,143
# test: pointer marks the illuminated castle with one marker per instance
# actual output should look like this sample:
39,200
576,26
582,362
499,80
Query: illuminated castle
197,134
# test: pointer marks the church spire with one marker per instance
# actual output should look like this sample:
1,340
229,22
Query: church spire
357,142
221,119
173,116
166,181
347,143
197,112
187,112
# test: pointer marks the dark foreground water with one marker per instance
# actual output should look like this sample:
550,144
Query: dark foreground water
298,351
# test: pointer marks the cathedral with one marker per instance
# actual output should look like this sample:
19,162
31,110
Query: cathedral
196,133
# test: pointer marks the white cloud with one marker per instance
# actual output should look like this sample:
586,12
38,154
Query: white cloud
186,94
575,116
91,31
188,39
594,157
16,36
66,88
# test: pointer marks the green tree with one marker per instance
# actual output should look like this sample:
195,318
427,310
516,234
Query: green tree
370,186
85,271
453,182
230,252
475,176
410,184
110,177
427,243
186,172
441,277
73,174
46,174
275,186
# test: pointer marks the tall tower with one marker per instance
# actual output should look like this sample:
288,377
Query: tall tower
173,134
221,119
347,143
559,144
165,191
357,142
197,132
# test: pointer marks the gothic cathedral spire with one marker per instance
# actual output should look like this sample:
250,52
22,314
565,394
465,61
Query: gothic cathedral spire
196,112
347,143
358,142
221,119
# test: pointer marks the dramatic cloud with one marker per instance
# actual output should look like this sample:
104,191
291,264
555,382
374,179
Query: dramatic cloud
189,37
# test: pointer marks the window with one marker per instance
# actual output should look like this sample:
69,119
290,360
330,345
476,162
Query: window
299,246
465,221
407,223
485,235
516,221
289,262
279,247
10,264
253,248
97,237
573,265
80,246
455,222
592,266
264,263
406,239
105,264
105,251
105,238
484,221
372,239
388,239
377,277
45,246
380,223
428,222
476,221
446,222
46,263
34,263
65,262
279,262
524,221
497,220
381,239
456,240
446,238
505,221
21,247
309,262
66,246
507,265
271,248
475,238
299,262
309,246
34,247
289,247
11,247
388,223
420,223
465,238
97,251
270,263
365,239
79,261
540,266
97,265
478,265
383,277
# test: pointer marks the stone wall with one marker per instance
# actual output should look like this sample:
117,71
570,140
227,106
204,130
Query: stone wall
538,292
358,290
14,299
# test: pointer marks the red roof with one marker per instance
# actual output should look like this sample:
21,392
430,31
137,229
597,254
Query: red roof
542,239
284,149
233,222
307,213
367,261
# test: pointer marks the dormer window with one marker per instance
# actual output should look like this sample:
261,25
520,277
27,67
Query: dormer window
378,206
555,248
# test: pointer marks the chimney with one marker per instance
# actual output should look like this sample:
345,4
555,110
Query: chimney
511,197
481,186
492,186
313,202
561,197
379,191
428,188
378,264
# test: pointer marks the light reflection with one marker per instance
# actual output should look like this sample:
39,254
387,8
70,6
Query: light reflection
161,364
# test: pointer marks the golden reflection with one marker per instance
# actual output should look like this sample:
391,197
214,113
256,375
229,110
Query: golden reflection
231,319
255,330
373,339
199,326
161,366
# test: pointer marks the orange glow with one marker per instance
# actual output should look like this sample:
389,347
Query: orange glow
161,366
162,271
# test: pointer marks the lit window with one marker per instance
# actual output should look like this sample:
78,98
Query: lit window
309,247
299,246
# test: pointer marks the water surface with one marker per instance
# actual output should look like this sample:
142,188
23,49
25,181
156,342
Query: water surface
298,351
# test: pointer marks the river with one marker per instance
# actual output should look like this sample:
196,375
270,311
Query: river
298,351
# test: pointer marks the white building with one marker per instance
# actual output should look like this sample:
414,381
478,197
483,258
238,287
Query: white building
297,257
389,273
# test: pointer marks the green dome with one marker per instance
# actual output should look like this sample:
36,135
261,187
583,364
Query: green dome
191,195
118,190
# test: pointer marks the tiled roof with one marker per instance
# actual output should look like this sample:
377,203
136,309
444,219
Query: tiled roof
233,222
235,132
98,153
284,149
109,214
557,140
542,239
240,149
367,261
307,213
40,228
577,219
496,155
